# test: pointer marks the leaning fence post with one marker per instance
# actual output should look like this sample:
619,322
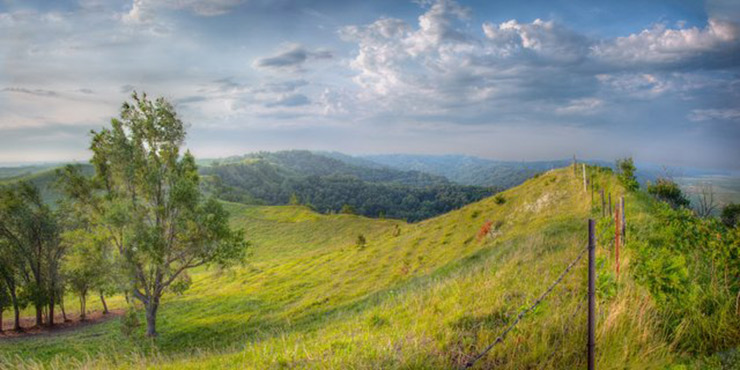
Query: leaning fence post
617,234
624,223
591,293
584,178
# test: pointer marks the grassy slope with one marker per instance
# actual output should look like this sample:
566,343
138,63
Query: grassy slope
427,297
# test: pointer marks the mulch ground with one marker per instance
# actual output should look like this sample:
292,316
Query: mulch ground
28,324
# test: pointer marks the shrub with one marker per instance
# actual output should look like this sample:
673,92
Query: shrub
626,174
361,241
499,199
668,191
731,214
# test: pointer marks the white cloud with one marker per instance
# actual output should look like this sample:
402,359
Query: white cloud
581,106
544,39
144,11
728,114
663,45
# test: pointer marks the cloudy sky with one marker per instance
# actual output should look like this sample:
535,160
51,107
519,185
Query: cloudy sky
659,80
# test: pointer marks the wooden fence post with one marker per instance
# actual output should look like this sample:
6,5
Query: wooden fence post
624,222
610,204
584,178
617,234
591,294
603,204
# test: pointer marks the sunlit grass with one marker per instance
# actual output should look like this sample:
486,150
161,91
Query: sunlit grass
422,295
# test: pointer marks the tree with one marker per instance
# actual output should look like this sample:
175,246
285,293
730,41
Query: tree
31,230
731,215
145,195
626,174
668,191
347,210
294,201
9,262
705,201
84,266
5,302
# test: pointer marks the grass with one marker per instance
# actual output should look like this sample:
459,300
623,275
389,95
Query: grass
422,295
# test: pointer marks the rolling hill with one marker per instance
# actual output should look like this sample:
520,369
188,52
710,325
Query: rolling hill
422,295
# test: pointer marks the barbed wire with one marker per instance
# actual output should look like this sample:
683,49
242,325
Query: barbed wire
567,328
527,310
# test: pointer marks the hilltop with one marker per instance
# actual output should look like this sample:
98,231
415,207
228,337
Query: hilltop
427,294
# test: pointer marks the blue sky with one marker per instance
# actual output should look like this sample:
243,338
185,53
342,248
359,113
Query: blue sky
514,80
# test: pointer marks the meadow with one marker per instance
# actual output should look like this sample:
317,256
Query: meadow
414,295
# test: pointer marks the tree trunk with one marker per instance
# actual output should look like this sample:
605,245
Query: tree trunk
151,317
1,320
39,315
105,306
16,310
83,316
51,310
61,306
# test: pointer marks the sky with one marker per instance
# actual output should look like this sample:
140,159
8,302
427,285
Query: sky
510,80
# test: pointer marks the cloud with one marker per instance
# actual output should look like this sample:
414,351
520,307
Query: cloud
540,39
36,92
292,100
144,11
661,45
293,57
728,114
581,106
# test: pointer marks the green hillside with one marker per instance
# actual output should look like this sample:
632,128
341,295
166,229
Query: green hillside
423,295
328,184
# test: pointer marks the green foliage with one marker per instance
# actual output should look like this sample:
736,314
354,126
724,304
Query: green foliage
328,184
731,214
130,322
361,241
688,263
294,201
626,174
668,191
145,197
499,199
347,210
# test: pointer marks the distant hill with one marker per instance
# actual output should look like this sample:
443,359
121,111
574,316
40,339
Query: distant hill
328,184
467,170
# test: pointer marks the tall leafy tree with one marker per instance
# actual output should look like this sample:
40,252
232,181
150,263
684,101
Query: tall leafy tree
146,196
9,263
31,230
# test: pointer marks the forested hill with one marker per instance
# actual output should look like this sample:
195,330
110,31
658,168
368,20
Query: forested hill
331,185
295,163
468,170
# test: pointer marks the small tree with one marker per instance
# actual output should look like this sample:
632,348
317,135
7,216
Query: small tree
626,174
347,209
84,267
706,204
146,198
361,241
294,201
668,191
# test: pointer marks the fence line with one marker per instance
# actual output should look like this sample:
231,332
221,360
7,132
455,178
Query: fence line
527,310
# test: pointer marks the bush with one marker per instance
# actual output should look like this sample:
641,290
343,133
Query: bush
668,191
626,174
130,322
499,199
731,215
361,241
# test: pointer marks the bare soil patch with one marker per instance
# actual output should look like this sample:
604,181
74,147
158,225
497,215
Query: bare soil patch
60,326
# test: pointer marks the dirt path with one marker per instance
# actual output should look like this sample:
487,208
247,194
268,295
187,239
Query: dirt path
30,330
